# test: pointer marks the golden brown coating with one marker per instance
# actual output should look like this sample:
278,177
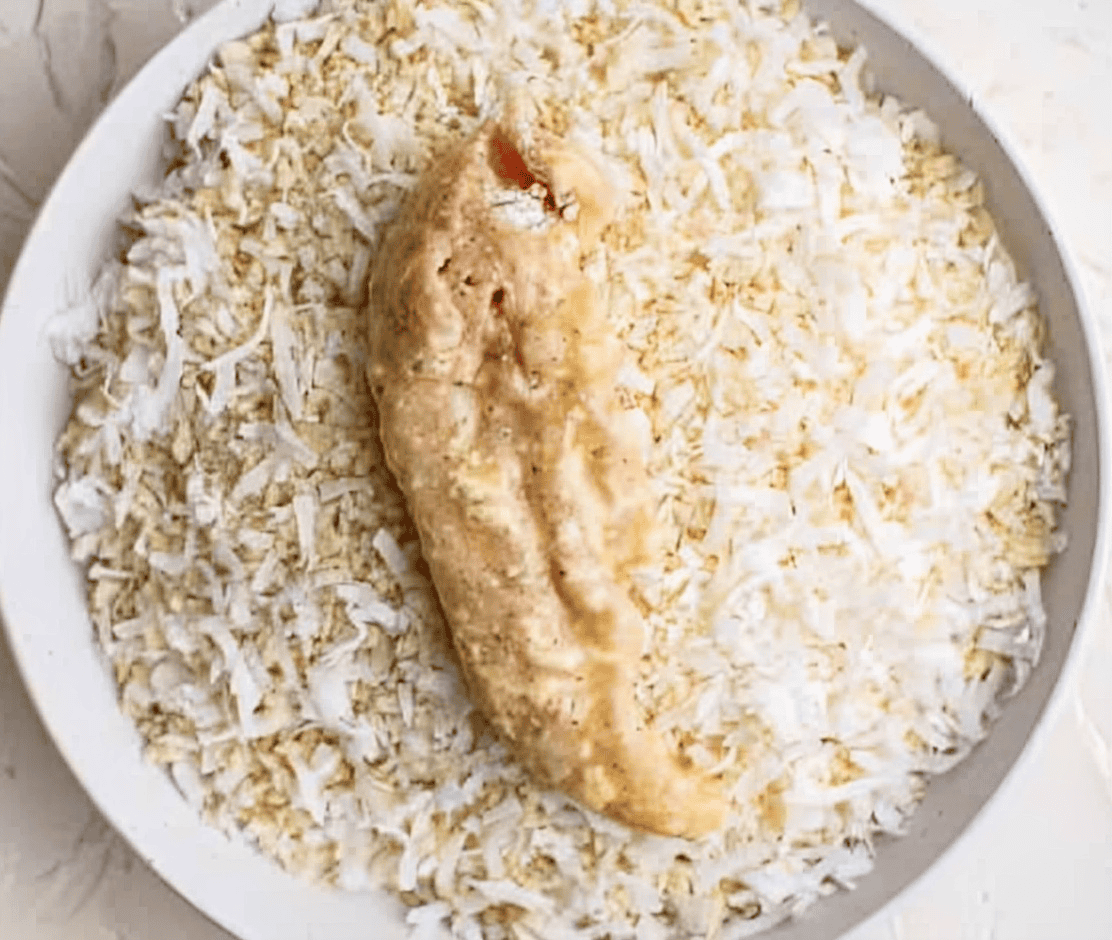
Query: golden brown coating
492,363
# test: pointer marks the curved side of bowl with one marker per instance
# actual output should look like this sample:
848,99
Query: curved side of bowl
957,802
42,595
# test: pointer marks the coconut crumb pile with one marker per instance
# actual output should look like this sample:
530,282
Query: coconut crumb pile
844,407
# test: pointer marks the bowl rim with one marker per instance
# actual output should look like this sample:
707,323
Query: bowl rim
259,11
1066,681
254,14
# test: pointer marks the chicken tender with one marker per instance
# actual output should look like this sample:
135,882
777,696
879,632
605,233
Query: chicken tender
492,363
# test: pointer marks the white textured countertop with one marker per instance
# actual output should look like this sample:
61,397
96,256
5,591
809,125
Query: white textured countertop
1039,867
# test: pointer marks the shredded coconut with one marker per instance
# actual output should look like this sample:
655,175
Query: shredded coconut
843,402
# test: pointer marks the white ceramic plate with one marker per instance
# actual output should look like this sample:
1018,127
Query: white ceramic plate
41,591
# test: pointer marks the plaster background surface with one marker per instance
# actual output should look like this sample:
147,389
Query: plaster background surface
1038,868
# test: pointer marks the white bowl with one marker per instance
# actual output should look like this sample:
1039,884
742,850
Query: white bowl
42,591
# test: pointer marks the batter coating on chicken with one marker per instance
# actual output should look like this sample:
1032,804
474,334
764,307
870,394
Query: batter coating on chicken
492,363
